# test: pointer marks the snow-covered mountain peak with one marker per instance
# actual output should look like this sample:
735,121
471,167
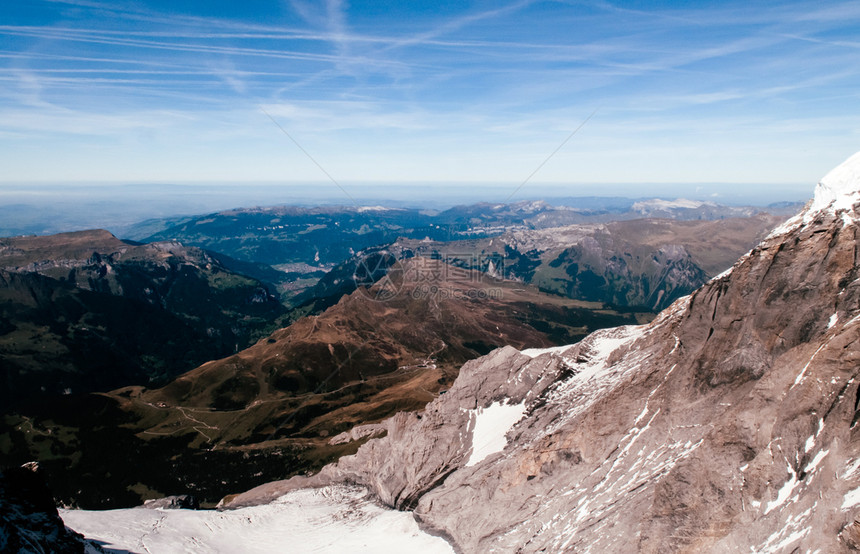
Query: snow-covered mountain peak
661,204
839,189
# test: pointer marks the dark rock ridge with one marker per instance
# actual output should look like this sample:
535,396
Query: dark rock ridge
85,311
727,424
29,521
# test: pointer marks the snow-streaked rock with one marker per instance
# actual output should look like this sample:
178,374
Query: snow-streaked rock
329,520
421,449
535,352
29,523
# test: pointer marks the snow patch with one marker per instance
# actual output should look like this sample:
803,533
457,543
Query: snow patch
491,425
724,274
642,414
591,374
328,520
786,542
793,529
810,467
364,209
802,373
851,469
833,319
784,493
810,442
851,499
535,352
773,546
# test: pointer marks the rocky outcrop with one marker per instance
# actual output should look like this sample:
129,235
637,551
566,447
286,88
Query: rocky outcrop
175,502
727,424
371,430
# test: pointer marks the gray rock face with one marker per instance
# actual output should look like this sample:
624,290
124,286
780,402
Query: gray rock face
728,424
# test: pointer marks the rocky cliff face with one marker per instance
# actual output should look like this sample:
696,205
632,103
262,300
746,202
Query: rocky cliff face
727,424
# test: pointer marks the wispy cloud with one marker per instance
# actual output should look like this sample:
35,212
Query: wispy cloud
458,23
55,121
111,39
476,89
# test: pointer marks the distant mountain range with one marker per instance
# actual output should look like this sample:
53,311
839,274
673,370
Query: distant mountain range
260,234
645,263
306,243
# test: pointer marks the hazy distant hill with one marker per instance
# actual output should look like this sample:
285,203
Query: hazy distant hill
328,235
305,243
647,263
291,235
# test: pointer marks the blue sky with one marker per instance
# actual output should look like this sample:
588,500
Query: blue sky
763,93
